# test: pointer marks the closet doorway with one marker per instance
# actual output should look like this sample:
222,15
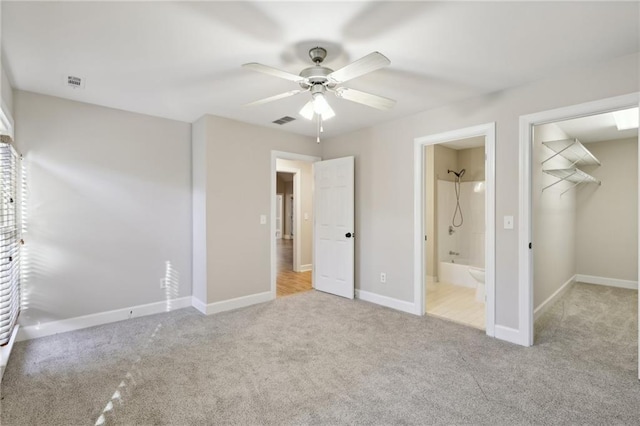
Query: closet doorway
581,218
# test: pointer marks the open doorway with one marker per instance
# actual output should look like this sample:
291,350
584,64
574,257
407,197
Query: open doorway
585,232
455,183
291,278
292,224
454,219
580,203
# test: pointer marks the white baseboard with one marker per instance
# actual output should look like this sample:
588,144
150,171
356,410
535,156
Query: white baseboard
508,334
286,236
228,305
389,302
77,323
611,282
5,351
544,306
199,305
305,268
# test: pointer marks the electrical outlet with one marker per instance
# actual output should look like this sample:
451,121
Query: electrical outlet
163,283
383,277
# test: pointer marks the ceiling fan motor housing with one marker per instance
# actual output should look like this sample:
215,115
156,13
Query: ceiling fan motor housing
317,54
316,75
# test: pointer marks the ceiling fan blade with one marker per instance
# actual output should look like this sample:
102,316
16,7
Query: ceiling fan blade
272,71
275,97
373,61
365,98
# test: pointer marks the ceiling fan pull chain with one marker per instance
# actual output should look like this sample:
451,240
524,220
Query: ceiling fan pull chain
319,125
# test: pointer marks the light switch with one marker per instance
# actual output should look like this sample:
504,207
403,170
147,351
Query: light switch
306,216
508,222
263,219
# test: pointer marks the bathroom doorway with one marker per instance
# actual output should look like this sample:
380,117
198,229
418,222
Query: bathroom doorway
457,226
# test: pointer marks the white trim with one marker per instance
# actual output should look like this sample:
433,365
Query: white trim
306,267
5,118
525,255
238,302
487,130
199,304
284,156
281,202
544,306
611,282
389,302
77,323
5,351
508,334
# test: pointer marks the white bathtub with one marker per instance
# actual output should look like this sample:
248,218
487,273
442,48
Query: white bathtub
455,271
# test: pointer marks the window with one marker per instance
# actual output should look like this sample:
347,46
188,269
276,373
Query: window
10,240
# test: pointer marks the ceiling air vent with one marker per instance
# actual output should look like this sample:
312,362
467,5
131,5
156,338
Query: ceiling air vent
284,120
75,82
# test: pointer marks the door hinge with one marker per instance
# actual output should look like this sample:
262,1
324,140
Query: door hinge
530,245
425,238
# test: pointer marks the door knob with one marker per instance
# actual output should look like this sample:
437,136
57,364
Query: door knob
348,235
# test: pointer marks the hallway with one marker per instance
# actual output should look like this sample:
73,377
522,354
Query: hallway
289,282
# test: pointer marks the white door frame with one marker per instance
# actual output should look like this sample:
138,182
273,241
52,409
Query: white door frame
525,255
281,202
297,236
487,130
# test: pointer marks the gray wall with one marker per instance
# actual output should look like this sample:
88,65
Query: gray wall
236,260
384,174
472,160
109,203
607,215
554,218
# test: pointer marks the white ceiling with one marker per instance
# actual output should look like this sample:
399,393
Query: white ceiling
182,60
595,128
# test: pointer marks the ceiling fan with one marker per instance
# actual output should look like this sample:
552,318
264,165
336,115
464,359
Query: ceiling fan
319,80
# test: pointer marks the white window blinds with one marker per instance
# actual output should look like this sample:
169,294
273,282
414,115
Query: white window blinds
9,240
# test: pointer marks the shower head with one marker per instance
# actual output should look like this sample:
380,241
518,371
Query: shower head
458,174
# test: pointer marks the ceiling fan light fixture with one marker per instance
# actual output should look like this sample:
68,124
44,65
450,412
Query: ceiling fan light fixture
320,104
307,111
329,113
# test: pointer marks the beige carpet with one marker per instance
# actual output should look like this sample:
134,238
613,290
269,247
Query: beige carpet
319,359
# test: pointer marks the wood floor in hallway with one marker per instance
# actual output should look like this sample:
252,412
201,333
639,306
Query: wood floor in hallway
288,281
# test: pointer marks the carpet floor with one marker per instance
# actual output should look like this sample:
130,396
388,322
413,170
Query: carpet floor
314,358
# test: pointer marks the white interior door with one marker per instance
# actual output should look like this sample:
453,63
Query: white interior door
334,226
278,216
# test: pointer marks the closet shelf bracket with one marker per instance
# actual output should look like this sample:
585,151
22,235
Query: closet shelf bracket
573,150
573,175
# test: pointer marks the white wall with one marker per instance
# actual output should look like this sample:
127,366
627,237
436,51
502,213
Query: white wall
237,259
109,203
384,174
553,216
607,215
